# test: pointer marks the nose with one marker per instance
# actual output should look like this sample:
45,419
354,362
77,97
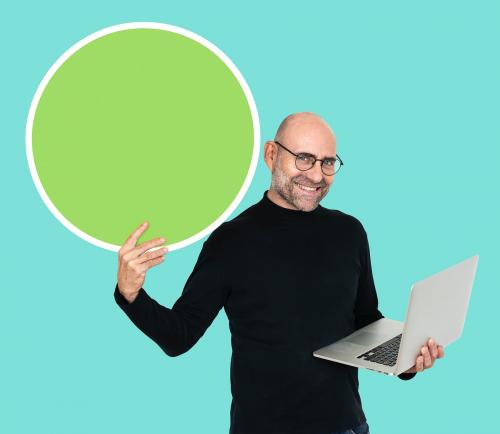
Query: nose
315,173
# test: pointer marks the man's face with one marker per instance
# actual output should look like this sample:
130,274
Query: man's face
287,179
288,182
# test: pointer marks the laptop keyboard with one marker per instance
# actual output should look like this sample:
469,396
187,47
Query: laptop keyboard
385,353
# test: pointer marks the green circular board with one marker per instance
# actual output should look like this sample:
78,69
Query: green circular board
142,122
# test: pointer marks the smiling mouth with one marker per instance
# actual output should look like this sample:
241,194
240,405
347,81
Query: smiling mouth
307,188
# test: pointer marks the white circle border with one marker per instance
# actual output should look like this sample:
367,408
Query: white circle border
143,25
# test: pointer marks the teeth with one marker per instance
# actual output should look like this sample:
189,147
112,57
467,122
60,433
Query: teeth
303,187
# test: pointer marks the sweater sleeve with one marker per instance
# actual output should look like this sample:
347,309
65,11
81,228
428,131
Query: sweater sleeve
177,329
366,307
406,376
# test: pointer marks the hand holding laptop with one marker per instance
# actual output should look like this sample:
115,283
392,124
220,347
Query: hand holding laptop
437,307
428,354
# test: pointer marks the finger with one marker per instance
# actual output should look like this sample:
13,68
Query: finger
432,348
427,357
151,263
134,236
156,248
141,248
440,351
150,255
419,364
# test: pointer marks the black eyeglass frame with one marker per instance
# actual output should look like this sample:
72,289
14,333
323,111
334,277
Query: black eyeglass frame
315,159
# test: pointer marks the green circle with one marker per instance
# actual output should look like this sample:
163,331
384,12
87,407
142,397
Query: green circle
142,125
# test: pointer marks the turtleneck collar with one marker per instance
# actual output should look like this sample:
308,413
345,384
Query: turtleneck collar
272,208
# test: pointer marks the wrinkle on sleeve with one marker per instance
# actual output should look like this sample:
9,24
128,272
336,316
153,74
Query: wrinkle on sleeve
366,307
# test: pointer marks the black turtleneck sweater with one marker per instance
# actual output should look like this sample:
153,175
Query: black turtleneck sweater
290,282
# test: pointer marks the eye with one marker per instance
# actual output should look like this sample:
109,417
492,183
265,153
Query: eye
305,157
329,162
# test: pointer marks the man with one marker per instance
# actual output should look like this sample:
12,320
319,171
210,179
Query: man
292,276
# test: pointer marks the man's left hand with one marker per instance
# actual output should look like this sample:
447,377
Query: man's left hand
428,354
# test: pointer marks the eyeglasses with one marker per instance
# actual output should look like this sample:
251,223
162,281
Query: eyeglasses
305,161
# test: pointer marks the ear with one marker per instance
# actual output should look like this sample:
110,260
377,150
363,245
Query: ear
270,154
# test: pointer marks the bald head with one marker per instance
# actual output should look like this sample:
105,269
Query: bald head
297,125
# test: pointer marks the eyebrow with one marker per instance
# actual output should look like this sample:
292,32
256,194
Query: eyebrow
325,158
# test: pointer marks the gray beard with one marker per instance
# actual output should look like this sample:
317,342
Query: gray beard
284,187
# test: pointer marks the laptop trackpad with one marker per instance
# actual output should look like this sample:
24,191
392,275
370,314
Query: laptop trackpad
364,338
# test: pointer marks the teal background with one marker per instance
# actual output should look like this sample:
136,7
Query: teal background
412,92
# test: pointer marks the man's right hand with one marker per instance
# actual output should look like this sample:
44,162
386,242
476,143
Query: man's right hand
133,262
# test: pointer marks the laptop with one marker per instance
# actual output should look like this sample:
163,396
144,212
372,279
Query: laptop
437,309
